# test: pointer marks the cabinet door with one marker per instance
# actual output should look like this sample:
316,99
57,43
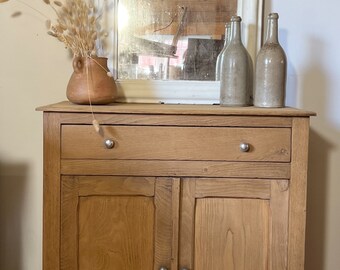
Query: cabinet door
118,223
234,224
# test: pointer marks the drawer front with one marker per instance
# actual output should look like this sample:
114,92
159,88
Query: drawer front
176,143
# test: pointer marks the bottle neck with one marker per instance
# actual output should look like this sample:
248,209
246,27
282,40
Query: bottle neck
272,31
227,34
235,32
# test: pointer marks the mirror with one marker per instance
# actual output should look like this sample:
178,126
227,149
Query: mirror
171,39
170,44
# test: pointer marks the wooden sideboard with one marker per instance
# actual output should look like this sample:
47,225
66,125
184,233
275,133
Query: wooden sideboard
174,187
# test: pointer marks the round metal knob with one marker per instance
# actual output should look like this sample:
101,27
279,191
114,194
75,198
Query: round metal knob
163,268
109,143
244,147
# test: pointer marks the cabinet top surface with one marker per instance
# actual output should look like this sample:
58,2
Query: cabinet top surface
133,108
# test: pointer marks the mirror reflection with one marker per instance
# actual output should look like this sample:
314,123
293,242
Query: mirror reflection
171,39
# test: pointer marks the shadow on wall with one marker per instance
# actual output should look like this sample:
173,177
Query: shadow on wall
13,179
315,93
319,150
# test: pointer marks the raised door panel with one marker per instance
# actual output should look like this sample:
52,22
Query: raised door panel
118,222
234,224
116,232
231,233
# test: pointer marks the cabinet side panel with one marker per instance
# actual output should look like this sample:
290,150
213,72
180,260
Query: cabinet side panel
51,209
298,190
231,234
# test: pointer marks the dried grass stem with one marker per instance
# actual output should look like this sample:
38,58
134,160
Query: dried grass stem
77,25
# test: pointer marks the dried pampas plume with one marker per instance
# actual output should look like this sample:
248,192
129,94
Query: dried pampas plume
77,25
58,3
16,14
96,125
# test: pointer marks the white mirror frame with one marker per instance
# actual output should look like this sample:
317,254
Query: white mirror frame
194,92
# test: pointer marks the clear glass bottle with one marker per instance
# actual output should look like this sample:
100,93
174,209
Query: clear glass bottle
227,37
234,86
271,69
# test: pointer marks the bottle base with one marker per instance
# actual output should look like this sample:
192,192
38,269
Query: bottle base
234,105
269,106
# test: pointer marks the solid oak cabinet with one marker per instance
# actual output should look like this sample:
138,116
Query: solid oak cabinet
174,187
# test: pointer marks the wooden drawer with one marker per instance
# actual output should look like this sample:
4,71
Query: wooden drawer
176,143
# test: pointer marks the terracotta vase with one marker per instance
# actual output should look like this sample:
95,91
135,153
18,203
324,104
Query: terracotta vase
90,83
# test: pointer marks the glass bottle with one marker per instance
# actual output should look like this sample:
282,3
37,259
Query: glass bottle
234,86
271,69
227,37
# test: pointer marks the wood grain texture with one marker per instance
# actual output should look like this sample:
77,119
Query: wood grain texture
298,196
51,189
175,208
187,223
178,120
177,168
279,225
176,143
166,223
235,188
161,109
69,224
107,230
131,210
116,233
231,234
225,201
116,185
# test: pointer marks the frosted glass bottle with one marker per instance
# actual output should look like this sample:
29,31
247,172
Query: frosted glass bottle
234,86
227,37
271,69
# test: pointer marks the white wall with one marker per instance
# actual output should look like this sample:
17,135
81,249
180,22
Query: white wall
310,35
35,68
